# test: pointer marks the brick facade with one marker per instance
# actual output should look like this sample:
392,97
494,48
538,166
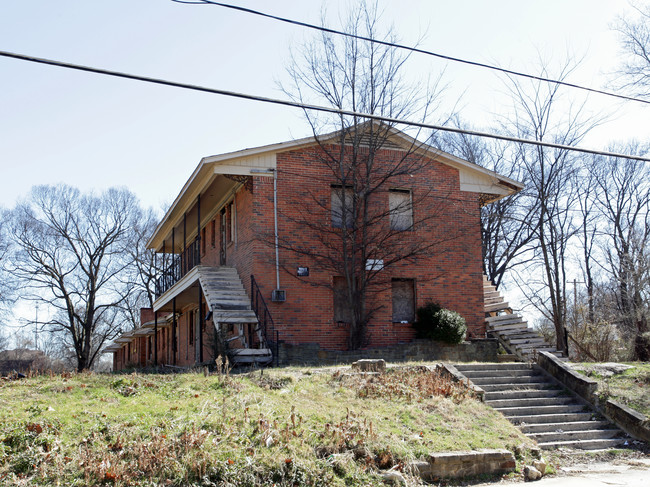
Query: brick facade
238,232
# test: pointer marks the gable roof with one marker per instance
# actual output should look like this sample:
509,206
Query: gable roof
261,161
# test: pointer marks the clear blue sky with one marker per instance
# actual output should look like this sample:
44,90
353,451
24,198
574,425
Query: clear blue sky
93,131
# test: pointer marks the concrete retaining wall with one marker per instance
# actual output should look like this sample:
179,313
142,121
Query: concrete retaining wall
484,350
632,422
465,464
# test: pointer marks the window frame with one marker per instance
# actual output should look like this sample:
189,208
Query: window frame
411,317
398,213
336,217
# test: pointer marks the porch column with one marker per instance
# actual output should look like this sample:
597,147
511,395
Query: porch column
155,339
200,327
173,347
198,226
184,254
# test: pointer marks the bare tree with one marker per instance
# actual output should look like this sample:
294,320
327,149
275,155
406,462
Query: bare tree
624,201
505,233
539,114
7,287
634,73
363,77
70,249
139,278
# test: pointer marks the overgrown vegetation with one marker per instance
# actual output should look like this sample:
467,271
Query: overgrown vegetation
283,427
630,387
437,323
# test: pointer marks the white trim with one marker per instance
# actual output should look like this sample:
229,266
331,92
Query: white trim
184,283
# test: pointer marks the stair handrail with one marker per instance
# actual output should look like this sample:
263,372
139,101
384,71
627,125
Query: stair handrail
263,314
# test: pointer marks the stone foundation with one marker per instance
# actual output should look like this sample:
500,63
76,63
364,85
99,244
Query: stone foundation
465,464
483,350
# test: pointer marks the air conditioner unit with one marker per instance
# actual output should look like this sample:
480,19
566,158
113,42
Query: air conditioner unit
278,296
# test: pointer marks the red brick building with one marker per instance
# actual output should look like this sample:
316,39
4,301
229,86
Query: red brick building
245,269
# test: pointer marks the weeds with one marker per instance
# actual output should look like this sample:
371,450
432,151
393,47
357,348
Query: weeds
280,427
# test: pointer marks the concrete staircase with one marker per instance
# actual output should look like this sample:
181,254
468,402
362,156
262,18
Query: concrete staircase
540,408
510,329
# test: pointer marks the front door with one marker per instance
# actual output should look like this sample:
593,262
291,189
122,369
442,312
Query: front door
222,238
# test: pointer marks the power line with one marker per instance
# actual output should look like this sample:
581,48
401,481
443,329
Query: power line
412,49
317,108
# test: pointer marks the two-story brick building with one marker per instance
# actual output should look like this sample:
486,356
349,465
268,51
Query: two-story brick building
246,242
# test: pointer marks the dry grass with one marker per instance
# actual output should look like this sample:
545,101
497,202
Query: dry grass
282,427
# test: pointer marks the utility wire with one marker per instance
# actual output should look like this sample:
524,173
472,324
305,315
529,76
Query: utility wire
412,49
317,108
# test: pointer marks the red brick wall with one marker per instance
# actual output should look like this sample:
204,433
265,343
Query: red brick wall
450,275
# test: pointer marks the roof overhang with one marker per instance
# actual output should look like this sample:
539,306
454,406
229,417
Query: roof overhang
262,162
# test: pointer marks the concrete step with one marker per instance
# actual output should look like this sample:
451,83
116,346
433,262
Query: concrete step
494,366
530,378
529,402
472,374
541,410
561,435
522,394
582,444
531,386
549,418
566,426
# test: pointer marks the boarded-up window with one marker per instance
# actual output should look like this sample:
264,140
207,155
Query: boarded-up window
342,311
342,209
403,300
401,209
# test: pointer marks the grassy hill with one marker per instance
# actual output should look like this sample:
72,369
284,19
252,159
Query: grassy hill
290,426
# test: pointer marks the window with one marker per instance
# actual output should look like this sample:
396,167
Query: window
203,240
342,207
403,300
342,310
213,232
401,209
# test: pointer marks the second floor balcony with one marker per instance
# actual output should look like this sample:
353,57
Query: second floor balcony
176,266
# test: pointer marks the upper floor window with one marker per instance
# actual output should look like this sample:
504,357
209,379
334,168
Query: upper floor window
400,207
342,206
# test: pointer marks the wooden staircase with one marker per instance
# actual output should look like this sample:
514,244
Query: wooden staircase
511,329
230,305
